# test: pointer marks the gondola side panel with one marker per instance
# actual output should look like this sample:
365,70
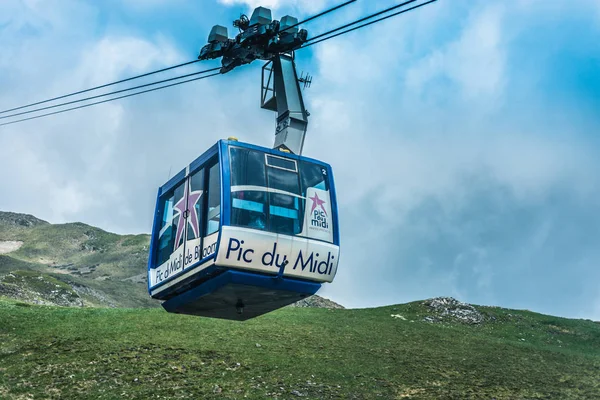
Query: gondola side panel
267,252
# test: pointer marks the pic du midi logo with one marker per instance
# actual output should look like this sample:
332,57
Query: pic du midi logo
318,216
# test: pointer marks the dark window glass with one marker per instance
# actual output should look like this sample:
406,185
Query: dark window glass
214,200
247,168
283,180
171,218
282,163
313,175
248,192
249,209
196,198
284,214
284,208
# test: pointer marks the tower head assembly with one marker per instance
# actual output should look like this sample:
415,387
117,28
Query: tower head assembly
260,38
263,38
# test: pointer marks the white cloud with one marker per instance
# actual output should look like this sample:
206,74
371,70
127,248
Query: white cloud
252,4
69,167
59,199
151,4
301,6
111,58
475,61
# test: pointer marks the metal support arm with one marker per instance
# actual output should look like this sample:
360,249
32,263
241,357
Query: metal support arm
281,93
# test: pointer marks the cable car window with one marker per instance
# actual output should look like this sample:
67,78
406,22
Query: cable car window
195,200
314,176
284,208
249,185
214,200
270,192
170,220
283,180
318,222
248,167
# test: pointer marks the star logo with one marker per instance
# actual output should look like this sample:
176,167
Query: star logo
317,202
187,203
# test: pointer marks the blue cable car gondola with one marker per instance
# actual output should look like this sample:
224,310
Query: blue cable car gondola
243,230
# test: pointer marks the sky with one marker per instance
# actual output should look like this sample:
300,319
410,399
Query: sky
464,136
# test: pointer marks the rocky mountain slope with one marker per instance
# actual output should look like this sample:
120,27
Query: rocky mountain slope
77,265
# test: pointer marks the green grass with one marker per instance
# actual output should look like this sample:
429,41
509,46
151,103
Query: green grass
52,352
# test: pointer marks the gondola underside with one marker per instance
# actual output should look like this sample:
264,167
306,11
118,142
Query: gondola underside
238,295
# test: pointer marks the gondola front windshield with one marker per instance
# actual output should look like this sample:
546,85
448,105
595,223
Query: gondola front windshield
280,195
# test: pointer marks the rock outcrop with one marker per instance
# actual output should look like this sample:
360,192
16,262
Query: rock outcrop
317,302
38,288
20,220
448,309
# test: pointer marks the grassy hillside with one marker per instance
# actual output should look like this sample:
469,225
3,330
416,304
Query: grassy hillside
104,269
388,353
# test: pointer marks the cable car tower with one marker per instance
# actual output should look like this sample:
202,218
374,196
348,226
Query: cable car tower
244,230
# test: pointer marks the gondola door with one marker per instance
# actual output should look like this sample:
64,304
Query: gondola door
203,214
171,243
194,209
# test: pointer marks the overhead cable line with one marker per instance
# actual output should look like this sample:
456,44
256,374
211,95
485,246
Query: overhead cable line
148,73
318,15
101,86
361,20
109,93
363,25
321,37
107,100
